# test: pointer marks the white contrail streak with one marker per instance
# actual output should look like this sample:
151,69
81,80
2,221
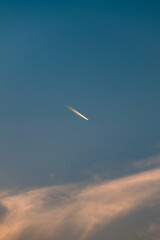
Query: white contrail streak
78,113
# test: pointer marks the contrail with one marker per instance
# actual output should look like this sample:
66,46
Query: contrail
78,113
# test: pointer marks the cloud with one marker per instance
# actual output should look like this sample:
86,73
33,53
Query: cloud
51,175
149,162
76,211
152,233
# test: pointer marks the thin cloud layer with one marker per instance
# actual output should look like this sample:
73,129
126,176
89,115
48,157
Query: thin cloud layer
152,233
75,211
148,163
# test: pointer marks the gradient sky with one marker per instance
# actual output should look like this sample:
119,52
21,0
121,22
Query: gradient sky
100,57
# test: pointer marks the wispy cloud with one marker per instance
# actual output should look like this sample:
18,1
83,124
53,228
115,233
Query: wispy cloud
152,233
75,211
148,163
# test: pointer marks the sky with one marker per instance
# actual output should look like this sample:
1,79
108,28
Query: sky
101,58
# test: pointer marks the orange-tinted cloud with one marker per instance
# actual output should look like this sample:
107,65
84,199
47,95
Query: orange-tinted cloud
152,233
153,161
76,211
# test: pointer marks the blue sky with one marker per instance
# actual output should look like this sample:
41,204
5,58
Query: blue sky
102,58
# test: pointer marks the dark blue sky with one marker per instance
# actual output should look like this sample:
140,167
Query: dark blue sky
100,57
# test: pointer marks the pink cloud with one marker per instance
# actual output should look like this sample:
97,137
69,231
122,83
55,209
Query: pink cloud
76,211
